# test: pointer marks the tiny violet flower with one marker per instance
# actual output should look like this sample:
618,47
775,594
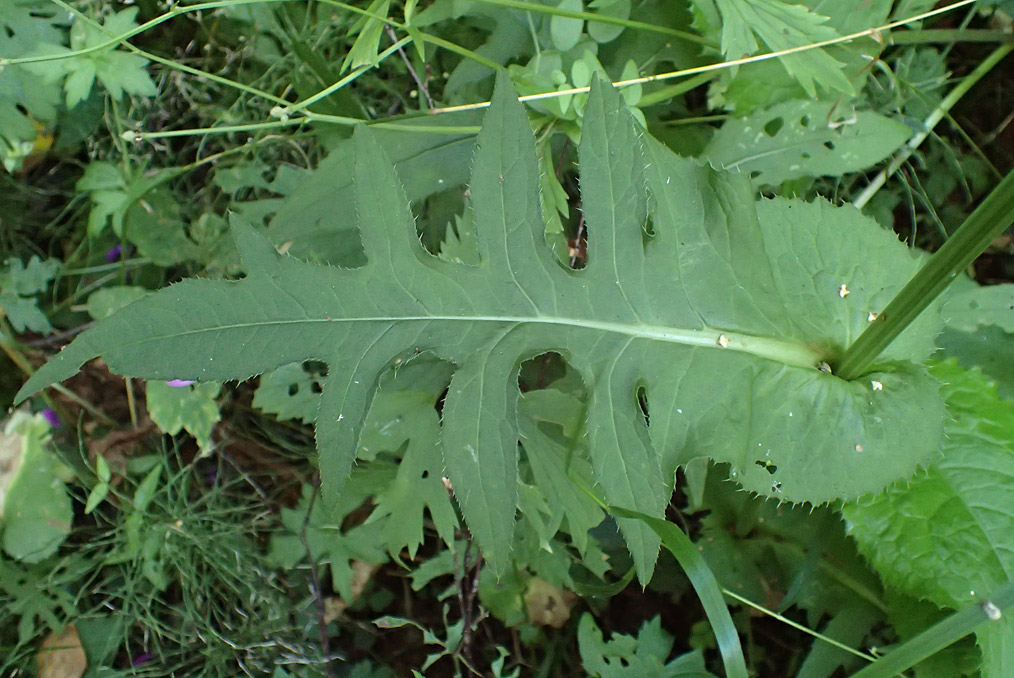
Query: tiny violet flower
177,383
51,417
114,254
142,659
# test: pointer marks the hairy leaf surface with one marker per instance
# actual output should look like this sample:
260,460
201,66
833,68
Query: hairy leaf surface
718,310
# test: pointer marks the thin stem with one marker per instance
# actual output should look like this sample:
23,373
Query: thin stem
117,40
602,19
875,33
128,384
948,35
315,588
422,88
948,102
980,229
224,129
798,626
351,77
671,91
177,10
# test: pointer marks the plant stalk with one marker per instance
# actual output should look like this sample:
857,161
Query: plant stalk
980,229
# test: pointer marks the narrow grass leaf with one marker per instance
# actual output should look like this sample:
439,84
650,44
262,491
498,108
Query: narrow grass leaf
704,583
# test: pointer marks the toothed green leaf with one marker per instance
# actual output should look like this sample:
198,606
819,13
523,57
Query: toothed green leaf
778,26
948,535
718,310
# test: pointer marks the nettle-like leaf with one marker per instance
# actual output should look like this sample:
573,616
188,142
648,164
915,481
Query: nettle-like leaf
712,309
948,535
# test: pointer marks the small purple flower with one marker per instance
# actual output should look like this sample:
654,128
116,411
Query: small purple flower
114,254
51,417
177,383
142,659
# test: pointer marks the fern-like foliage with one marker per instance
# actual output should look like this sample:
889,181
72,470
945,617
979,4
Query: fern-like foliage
715,310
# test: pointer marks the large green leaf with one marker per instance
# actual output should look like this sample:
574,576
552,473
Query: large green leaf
714,309
948,535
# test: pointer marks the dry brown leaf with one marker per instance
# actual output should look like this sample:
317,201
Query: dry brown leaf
334,608
548,605
362,573
61,655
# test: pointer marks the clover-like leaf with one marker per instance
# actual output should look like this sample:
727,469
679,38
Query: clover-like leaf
699,326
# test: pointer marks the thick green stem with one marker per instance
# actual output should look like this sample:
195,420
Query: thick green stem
980,229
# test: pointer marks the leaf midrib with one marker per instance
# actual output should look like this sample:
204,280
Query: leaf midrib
786,352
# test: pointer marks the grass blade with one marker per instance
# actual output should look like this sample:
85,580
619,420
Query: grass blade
704,583
940,635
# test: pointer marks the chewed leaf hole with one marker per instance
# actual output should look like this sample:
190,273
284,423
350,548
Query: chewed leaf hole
642,402
542,371
773,126
767,466
649,227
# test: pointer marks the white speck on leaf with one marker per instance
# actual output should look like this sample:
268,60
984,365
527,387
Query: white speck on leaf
877,385
723,341
843,291
993,612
